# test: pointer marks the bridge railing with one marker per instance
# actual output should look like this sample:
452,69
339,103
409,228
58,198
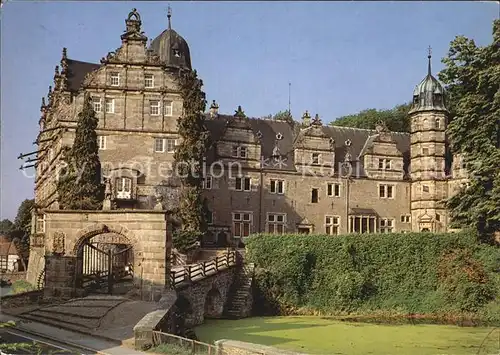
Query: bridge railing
190,272
189,346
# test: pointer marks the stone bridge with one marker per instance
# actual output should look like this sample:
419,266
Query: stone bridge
209,289
213,289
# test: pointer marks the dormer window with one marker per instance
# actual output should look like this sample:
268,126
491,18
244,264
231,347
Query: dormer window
384,164
123,188
176,53
315,158
239,151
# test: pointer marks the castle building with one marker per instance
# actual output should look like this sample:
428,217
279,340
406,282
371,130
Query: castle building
262,175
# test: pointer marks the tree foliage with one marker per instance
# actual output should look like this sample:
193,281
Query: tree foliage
6,226
472,78
80,186
190,154
21,232
396,119
423,273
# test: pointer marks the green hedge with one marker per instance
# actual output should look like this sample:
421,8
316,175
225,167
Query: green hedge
418,273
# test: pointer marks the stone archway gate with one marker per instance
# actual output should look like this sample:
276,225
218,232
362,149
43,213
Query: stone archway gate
66,232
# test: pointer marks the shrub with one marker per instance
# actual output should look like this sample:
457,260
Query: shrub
409,273
21,286
185,240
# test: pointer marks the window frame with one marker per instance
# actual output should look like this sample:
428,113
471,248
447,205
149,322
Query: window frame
166,144
124,189
241,222
386,188
332,222
384,164
314,189
386,225
274,187
112,76
146,80
333,189
168,108
316,158
242,182
101,142
274,225
206,179
40,223
156,107
155,146
97,104
108,100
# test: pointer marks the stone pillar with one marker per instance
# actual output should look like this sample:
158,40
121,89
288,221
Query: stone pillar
59,276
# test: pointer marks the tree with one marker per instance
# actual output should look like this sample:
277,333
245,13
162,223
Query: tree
6,227
396,119
80,186
282,116
21,231
189,155
472,79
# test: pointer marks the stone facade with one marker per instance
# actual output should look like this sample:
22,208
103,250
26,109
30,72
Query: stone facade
261,175
143,230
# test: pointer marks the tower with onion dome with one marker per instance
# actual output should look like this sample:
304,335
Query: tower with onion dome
429,186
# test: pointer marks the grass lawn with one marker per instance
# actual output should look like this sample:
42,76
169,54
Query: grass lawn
316,335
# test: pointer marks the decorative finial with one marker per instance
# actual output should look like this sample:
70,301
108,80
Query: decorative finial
429,56
56,71
169,16
316,121
239,113
65,53
43,102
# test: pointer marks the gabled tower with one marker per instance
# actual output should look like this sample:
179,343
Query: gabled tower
428,148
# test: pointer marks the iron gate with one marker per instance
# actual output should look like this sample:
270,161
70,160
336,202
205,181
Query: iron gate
102,265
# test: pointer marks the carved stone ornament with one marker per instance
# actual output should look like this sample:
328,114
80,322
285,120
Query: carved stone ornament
58,243
90,79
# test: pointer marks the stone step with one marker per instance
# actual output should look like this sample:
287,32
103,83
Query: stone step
66,319
88,313
57,324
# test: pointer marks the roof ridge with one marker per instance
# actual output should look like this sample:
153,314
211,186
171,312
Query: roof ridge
81,61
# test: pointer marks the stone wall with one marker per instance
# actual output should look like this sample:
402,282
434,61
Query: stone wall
234,347
144,230
20,299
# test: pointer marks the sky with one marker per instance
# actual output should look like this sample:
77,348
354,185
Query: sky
340,57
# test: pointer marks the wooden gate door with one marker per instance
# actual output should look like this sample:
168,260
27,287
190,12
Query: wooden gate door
101,265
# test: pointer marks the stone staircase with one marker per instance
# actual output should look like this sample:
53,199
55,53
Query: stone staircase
240,300
80,314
